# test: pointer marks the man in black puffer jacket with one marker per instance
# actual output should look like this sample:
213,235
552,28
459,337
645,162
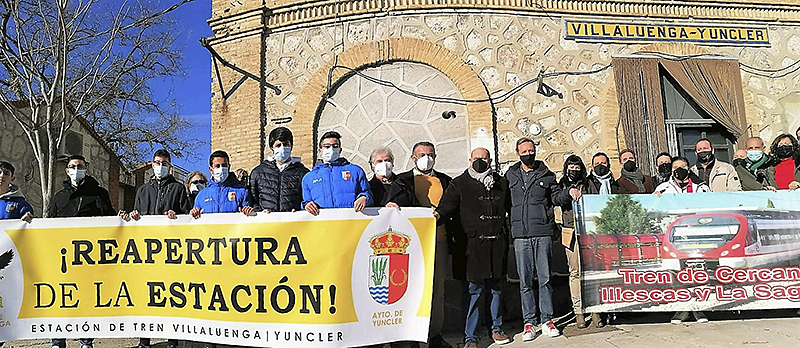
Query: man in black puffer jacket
276,183
82,195
534,193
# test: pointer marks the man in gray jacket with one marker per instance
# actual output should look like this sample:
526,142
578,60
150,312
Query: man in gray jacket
534,193
718,175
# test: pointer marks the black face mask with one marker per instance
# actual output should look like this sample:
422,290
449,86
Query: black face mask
528,159
680,173
705,156
574,175
630,166
738,162
665,169
479,165
785,151
600,170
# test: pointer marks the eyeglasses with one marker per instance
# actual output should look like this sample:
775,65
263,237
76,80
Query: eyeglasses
161,163
77,166
198,182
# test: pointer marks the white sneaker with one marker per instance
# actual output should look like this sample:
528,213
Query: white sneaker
529,334
550,329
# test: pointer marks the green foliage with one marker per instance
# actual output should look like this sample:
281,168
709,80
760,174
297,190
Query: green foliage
379,270
623,215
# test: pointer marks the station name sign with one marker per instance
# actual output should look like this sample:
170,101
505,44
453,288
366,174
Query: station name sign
639,32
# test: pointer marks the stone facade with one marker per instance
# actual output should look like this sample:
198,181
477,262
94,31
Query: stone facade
325,55
103,164
485,53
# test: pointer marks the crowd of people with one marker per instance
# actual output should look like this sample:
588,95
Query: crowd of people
480,213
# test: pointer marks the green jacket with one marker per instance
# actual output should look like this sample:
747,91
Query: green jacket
762,178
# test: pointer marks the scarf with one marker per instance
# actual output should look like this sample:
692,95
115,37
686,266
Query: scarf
486,178
754,166
636,177
605,183
685,187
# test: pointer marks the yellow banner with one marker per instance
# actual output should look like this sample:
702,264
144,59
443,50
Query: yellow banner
280,279
625,31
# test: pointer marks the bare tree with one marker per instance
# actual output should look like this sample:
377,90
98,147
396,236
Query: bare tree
64,59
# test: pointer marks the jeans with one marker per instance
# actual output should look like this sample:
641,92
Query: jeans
62,342
533,254
473,312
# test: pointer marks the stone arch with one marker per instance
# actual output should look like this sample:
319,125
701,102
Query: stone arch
309,104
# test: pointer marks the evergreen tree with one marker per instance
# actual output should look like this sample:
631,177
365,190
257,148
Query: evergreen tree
623,215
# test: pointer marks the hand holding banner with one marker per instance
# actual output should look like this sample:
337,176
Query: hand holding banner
275,280
704,251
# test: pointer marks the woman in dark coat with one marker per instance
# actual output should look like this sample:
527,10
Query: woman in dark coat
575,176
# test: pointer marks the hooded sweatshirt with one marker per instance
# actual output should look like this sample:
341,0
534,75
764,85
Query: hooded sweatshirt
13,204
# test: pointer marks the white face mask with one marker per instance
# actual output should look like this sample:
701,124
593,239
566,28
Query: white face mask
330,154
384,169
194,188
282,154
220,174
425,164
76,175
160,171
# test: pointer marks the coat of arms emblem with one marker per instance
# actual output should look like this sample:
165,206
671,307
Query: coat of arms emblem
388,278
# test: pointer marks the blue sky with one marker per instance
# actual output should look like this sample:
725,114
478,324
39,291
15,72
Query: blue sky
193,92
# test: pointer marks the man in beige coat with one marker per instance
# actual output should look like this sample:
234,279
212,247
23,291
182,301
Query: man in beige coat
718,175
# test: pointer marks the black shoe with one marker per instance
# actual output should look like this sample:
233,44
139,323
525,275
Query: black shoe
438,342
144,343
172,343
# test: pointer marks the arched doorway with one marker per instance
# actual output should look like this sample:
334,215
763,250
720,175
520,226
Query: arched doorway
370,115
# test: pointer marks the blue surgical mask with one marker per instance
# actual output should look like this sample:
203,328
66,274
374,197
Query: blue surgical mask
282,154
76,175
754,155
330,154
160,171
220,174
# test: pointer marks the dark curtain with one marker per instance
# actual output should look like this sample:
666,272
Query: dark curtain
641,109
714,84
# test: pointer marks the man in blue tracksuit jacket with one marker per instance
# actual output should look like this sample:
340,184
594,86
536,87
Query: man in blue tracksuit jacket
12,203
335,183
224,193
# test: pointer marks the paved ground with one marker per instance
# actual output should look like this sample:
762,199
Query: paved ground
779,328
731,329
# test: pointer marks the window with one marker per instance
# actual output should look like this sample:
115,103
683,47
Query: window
73,143
687,123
